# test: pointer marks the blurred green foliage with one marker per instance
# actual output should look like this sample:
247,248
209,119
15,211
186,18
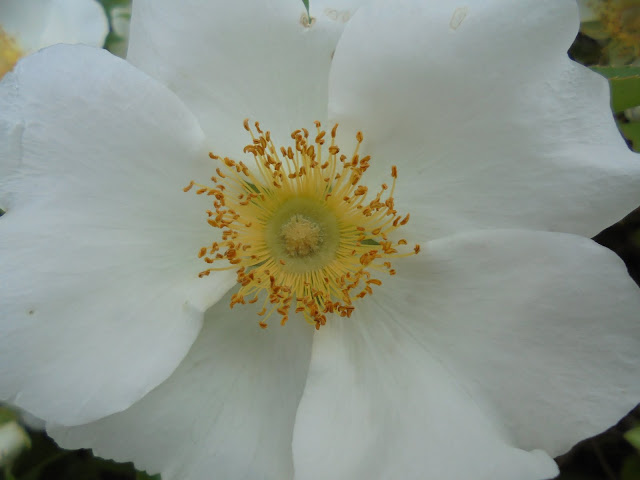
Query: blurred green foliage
114,42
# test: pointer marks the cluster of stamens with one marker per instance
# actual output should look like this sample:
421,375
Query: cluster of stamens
298,228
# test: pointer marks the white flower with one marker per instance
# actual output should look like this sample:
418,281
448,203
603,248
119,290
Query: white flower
29,25
507,339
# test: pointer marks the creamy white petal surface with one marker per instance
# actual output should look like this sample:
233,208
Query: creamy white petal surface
100,298
378,405
227,412
39,23
521,338
496,130
235,60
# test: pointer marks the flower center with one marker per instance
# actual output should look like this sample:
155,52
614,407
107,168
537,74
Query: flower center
302,237
298,229
10,53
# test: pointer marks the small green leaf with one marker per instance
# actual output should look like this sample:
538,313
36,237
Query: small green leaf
306,5
631,132
633,437
369,241
146,476
625,86
616,72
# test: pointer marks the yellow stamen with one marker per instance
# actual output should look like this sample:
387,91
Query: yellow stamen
298,229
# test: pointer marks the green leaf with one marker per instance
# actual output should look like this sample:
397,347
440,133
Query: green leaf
7,415
617,72
146,476
633,437
625,86
7,474
369,241
631,468
631,132
306,5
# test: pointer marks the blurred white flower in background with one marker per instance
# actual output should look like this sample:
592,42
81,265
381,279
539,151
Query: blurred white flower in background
29,25
13,438
510,337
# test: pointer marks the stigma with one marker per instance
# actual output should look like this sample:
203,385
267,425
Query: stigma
301,236
300,228
10,52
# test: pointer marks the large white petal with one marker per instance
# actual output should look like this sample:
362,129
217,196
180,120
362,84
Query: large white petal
489,122
227,412
233,60
100,298
379,406
40,23
540,327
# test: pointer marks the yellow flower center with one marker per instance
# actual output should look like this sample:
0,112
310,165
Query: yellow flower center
301,237
10,52
298,228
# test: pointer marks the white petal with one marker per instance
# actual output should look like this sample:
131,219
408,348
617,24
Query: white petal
100,298
40,23
378,405
483,138
227,412
234,60
542,328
